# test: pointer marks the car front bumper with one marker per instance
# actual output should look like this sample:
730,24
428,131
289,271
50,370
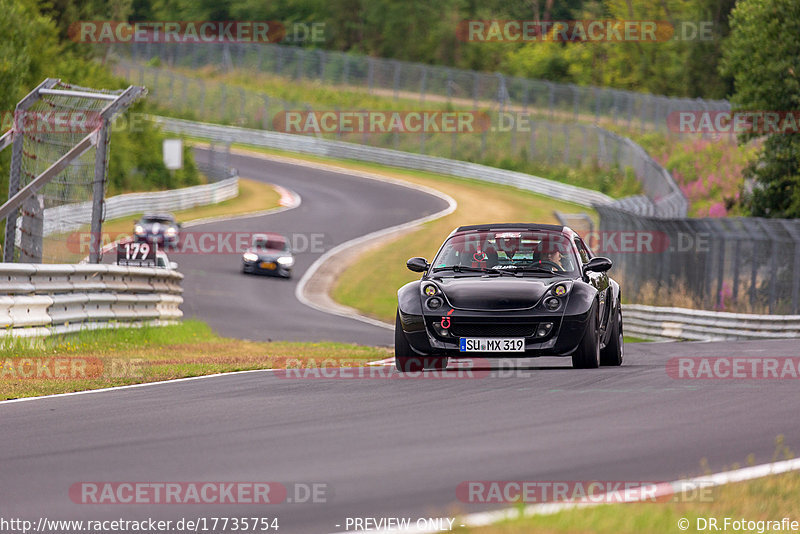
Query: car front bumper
562,340
255,267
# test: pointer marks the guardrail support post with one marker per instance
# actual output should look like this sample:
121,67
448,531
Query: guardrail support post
98,192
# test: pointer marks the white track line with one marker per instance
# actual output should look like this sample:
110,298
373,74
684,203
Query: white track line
718,479
132,386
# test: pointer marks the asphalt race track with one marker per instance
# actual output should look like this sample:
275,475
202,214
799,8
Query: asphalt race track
335,208
382,446
389,447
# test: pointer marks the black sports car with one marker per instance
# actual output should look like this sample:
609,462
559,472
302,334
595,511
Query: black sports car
270,254
160,228
517,290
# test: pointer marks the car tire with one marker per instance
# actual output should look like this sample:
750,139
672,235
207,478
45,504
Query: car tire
613,351
405,360
587,355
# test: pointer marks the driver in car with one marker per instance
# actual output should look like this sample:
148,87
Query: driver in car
550,255
554,257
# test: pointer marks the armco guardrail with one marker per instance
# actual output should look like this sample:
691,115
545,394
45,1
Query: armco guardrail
70,217
386,156
651,322
41,299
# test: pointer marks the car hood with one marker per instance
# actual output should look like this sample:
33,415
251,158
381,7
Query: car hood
268,254
494,293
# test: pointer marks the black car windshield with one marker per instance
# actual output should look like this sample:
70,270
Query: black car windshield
270,243
150,219
534,251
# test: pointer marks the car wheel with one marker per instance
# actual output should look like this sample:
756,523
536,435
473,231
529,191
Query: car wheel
587,355
612,353
405,360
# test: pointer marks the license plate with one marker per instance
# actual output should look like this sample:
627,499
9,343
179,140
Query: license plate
268,265
492,344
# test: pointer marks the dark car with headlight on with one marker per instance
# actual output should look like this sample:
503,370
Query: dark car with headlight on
160,228
269,254
510,290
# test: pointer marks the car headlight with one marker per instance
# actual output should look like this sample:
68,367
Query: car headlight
286,261
430,290
138,229
561,289
249,256
434,303
171,232
552,303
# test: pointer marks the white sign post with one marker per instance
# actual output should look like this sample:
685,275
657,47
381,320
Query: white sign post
173,154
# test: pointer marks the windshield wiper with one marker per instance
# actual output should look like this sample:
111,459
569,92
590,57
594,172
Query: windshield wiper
470,269
535,269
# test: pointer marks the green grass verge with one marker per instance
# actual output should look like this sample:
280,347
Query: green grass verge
769,498
633,339
93,359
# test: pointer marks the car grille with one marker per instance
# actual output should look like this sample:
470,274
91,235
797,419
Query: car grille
461,329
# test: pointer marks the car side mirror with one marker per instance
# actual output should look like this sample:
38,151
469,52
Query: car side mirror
418,265
597,265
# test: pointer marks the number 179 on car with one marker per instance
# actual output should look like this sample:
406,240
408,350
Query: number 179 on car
489,344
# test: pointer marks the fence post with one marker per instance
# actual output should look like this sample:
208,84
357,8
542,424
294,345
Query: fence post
475,89
370,73
449,84
423,84
265,113
260,57
171,86
98,192
222,100
396,80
